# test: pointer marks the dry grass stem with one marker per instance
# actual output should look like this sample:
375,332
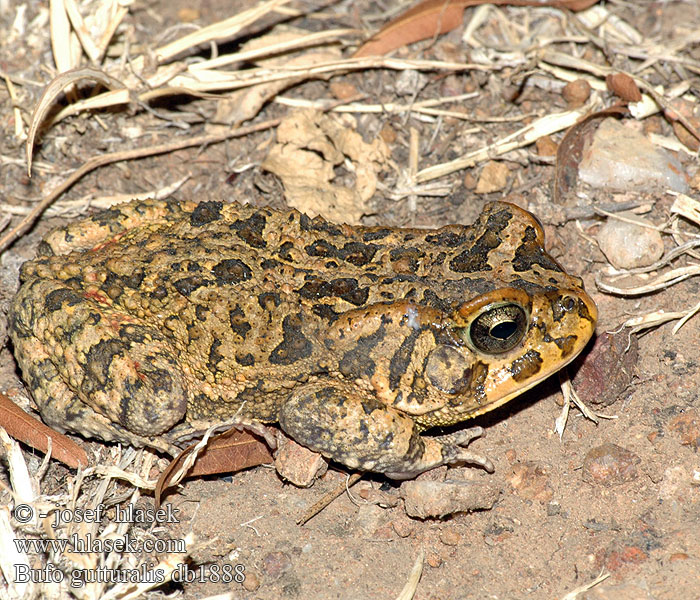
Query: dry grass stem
17,114
525,136
663,281
304,41
422,108
63,43
652,319
571,397
687,207
575,593
689,315
86,41
409,590
327,498
221,30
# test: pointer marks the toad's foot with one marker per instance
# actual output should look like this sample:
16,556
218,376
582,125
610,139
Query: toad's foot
352,427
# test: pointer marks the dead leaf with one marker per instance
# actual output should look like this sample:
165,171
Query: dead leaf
309,145
51,92
28,430
684,108
228,452
430,18
572,148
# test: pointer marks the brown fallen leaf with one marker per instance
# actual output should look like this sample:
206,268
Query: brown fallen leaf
687,136
228,452
28,430
572,148
430,18
310,144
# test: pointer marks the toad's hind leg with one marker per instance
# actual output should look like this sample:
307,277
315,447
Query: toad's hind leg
93,369
351,426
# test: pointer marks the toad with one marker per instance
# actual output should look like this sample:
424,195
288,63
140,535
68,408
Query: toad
154,315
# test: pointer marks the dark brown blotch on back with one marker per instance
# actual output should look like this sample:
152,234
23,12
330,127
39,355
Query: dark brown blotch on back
530,253
322,249
269,300
238,322
346,288
205,212
406,260
318,224
231,271
285,251
357,253
215,356
132,281
376,234
476,258
188,285
450,236
57,298
250,230
245,360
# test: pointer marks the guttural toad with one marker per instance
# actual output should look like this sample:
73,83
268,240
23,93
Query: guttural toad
356,340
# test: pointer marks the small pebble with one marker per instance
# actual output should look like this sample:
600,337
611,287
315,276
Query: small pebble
621,158
610,464
494,178
607,370
627,245
546,146
530,480
673,483
409,82
403,526
187,15
687,427
275,564
252,580
388,134
450,537
368,518
424,499
553,508
434,560
343,90
297,464
576,92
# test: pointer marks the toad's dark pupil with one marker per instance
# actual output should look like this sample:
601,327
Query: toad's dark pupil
504,330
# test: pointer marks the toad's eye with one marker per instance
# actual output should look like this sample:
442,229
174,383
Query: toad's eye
497,329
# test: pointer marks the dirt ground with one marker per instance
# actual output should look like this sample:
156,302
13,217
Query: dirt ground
620,498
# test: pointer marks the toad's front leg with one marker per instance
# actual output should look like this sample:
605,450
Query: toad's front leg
351,426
